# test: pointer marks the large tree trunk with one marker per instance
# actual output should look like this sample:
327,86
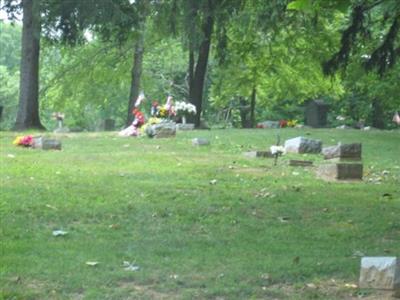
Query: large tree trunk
136,74
377,114
28,109
196,90
252,107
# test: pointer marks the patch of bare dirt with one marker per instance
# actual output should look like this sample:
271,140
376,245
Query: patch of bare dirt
331,289
147,291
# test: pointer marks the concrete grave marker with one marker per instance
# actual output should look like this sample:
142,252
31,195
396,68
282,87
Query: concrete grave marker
162,130
341,171
300,163
200,142
303,145
380,273
46,144
343,151
344,162
185,127
253,154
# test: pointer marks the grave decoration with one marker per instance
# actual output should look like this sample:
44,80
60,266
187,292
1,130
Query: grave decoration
24,141
59,117
163,111
159,125
161,129
396,118
184,109
37,142
278,124
134,128
277,150
274,152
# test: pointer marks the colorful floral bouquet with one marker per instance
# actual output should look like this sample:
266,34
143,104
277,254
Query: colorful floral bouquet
184,109
283,123
150,121
292,123
139,117
287,123
162,112
24,141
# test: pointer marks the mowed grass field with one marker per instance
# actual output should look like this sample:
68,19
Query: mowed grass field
257,231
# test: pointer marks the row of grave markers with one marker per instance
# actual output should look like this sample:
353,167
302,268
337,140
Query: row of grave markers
342,161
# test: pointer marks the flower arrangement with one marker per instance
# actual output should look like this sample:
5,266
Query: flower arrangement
183,108
139,117
292,123
150,121
162,112
287,123
24,141
154,108
283,123
58,116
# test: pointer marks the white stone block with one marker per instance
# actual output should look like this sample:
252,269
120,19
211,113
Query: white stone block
380,273
303,145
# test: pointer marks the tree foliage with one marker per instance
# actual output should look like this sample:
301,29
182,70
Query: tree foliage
260,59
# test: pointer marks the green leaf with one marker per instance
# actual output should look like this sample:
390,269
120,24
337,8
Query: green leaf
302,5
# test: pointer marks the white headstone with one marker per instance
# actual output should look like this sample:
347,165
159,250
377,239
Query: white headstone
380,273
303,145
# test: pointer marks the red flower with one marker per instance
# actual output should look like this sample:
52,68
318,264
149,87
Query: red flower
282,123
139,117
27,141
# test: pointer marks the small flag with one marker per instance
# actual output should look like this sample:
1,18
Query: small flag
139,99
169,102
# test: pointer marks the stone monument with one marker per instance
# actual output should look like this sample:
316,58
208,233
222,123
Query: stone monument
343,162
316,113
380,273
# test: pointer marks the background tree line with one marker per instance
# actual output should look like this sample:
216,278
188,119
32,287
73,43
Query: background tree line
238,61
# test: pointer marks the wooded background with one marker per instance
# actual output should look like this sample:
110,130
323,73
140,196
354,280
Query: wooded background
238,61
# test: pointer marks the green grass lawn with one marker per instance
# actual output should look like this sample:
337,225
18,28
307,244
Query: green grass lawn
260,232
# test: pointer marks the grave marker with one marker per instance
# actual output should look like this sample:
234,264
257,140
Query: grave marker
380,273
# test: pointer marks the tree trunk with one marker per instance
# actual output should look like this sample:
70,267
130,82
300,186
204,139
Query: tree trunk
377,114
191,69
244,111
28,108
136,74
196,90
252,107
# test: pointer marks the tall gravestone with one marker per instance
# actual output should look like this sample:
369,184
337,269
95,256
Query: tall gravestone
316,113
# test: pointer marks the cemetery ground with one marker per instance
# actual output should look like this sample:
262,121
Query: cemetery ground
200,222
